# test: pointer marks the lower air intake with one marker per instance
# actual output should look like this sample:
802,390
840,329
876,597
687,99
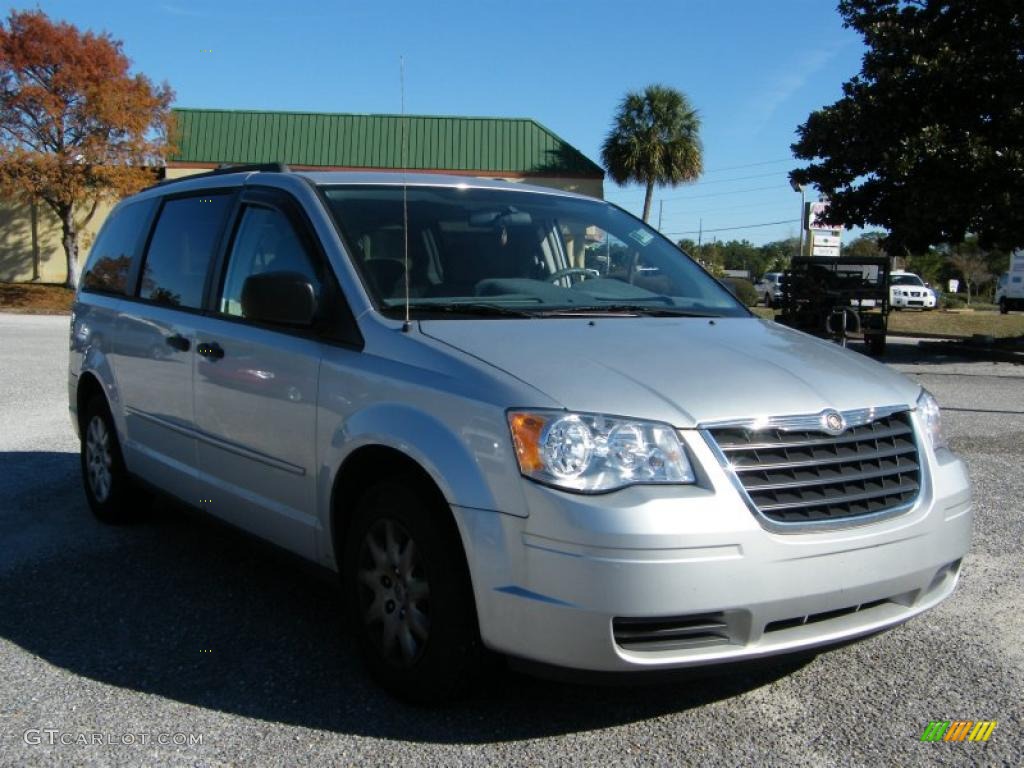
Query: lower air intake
670,633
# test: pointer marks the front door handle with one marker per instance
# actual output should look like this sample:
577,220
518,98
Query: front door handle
179,342
210,350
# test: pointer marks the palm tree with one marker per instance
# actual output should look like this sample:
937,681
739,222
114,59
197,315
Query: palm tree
654,140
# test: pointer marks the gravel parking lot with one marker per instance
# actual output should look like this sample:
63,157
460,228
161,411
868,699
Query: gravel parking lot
179,628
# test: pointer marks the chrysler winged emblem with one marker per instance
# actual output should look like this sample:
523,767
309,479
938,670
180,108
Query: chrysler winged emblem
833,422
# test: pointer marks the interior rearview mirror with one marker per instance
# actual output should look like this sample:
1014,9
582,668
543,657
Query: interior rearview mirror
508,217
284,298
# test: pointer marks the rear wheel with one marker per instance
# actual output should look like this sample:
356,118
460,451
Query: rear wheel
408,587
109,490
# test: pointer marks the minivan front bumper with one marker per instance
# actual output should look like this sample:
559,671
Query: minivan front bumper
662,577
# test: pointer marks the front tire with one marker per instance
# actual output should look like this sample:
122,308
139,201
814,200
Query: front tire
876,346
108,487
408,588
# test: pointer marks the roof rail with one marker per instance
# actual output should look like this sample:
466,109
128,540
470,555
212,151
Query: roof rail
220,170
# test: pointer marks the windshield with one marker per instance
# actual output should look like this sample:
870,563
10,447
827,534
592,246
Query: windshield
471,251
907,280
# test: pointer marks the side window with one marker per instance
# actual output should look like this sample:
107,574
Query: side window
265,242
182,248
116,248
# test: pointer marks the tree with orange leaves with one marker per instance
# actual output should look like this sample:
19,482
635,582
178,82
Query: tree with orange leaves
76,127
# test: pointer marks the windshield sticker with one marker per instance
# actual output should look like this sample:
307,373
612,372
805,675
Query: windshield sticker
642,236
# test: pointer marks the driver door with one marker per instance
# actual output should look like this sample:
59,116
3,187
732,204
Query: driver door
256,385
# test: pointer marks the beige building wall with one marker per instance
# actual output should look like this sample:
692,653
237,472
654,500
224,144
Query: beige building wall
589,187
17,245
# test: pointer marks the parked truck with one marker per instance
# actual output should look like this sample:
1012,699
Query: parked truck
1010,288
838,298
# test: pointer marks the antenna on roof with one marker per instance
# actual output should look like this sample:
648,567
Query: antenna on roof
405,194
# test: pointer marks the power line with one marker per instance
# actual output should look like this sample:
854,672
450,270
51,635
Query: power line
751,165
721,209
714,181
729,229
731,192
736,178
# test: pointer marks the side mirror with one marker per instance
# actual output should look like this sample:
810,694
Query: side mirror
283,298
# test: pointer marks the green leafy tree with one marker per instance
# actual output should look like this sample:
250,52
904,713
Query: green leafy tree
929,265
869,244
654,140
928,139
779,253
973,268
742,254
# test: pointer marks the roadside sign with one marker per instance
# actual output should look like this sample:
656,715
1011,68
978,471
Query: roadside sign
816,216
826,240
825,250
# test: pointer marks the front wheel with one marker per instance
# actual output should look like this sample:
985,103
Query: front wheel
876,346
407,582
108,487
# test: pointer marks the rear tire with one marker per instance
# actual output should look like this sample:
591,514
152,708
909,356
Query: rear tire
408,588
112,496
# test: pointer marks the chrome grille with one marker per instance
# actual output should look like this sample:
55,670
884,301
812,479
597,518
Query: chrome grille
808,476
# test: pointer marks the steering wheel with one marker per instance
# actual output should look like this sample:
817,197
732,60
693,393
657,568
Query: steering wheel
555,277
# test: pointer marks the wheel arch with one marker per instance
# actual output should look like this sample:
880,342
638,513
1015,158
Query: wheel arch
89,386
368,465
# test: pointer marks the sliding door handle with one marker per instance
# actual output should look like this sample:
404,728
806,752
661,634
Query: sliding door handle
211,350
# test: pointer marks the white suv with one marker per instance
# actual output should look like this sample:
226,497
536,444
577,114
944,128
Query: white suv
908,291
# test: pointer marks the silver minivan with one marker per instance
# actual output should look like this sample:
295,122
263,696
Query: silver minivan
513,420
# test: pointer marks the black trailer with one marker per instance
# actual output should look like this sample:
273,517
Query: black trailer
838,298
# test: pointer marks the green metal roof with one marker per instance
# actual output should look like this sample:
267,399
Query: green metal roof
477,144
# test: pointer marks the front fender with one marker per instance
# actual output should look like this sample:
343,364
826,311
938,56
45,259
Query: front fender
457,463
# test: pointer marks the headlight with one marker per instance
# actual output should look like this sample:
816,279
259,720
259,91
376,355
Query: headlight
932,419
590,453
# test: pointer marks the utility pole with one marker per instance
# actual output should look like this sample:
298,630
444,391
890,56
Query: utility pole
803,205
661,209
700,231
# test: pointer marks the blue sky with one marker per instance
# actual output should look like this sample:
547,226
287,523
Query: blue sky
753,69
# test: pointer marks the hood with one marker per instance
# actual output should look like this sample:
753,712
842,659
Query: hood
682,371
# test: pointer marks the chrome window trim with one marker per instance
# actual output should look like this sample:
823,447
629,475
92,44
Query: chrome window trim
811,422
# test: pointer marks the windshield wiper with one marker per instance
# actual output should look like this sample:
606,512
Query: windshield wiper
627,309
476,309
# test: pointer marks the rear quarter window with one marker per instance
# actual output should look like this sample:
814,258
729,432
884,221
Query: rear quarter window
117,249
